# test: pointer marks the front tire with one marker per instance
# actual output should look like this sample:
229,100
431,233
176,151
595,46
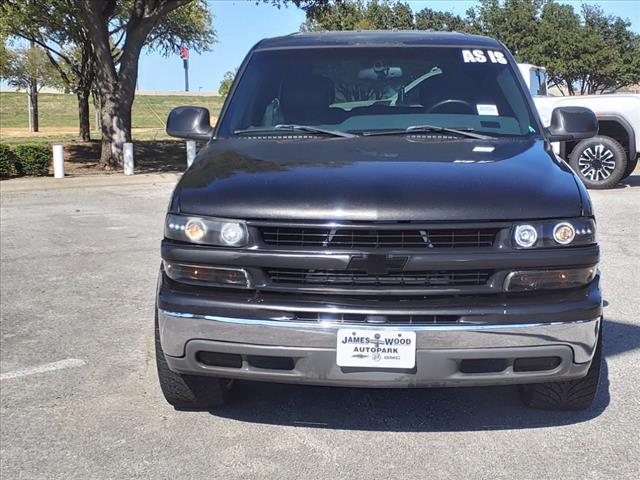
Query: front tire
569,395
600,162
186,392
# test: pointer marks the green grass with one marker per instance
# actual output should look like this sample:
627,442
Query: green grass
58,118
59,111
72,138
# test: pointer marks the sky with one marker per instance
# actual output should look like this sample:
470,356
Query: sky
240,24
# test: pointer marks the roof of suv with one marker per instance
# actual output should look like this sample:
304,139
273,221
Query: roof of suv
377,38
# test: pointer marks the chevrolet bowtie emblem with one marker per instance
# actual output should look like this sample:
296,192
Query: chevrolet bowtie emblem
377,264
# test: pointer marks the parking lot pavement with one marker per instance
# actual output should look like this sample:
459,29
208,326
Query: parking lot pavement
80,399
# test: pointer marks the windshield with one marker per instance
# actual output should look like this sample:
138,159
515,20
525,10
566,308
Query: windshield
363,90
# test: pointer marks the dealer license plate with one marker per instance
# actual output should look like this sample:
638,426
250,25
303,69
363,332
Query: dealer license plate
376,348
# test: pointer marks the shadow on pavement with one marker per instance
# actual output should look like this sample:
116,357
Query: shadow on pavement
631,181
415,410
150,156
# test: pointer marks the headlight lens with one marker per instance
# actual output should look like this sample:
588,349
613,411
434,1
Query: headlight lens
195,230
525,236
232,233
564,233
560,233
206,231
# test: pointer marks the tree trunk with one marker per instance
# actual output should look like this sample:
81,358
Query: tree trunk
116,130
33,106
117,85
83,115
97,108
569,83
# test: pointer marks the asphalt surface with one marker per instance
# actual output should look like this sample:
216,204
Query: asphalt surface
80,399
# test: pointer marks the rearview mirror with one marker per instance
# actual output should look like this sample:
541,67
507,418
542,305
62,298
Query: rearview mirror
571,123
190,122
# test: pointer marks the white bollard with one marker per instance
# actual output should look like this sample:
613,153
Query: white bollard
191,152
128,158
58,161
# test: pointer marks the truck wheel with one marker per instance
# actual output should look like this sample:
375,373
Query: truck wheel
600,162
570,395
189,391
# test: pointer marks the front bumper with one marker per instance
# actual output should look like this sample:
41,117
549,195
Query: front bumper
520,328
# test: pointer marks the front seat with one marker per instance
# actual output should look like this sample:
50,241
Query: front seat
306,100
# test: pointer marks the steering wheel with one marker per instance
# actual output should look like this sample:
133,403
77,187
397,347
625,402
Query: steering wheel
452,102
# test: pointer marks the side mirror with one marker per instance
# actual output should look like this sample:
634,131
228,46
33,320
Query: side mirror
190,122
571,123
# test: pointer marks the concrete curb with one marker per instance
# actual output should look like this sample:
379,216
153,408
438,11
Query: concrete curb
18,185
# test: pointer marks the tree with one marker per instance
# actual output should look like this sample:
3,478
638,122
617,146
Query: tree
381,15
311,7
60,27
613,52
583,53
29,69
118,30
338,16
227,81
5,58
559,46
53,25
513,22
427,19
360,15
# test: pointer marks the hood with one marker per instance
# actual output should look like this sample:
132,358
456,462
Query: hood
384,178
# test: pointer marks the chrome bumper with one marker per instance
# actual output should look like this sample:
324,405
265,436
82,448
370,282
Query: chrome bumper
440,349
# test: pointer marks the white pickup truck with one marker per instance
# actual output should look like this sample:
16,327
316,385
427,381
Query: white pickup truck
604,160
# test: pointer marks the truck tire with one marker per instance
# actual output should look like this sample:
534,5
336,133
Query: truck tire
570,395
187,392
600,162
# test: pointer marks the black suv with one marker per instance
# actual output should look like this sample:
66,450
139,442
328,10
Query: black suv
379,209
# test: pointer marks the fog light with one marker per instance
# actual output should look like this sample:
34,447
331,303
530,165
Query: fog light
564,233
232,234
528,280
210,276
195,230
525,236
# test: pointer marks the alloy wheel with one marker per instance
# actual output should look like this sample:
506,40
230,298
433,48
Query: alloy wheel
596,163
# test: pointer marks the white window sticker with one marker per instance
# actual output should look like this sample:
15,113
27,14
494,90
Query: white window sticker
480,56
487,109
481,149
473,56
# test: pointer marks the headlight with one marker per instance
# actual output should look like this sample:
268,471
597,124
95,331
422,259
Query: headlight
564,233
227,233
560,233
525,236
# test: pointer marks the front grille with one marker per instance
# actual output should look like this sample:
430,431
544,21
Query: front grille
369,319
341,278
326,237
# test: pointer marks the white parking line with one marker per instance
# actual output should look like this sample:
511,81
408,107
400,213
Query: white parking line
48,367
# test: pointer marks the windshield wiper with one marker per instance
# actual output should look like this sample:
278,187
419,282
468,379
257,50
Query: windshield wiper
466,132
293,127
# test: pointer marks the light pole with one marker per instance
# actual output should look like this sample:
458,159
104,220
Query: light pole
184,54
